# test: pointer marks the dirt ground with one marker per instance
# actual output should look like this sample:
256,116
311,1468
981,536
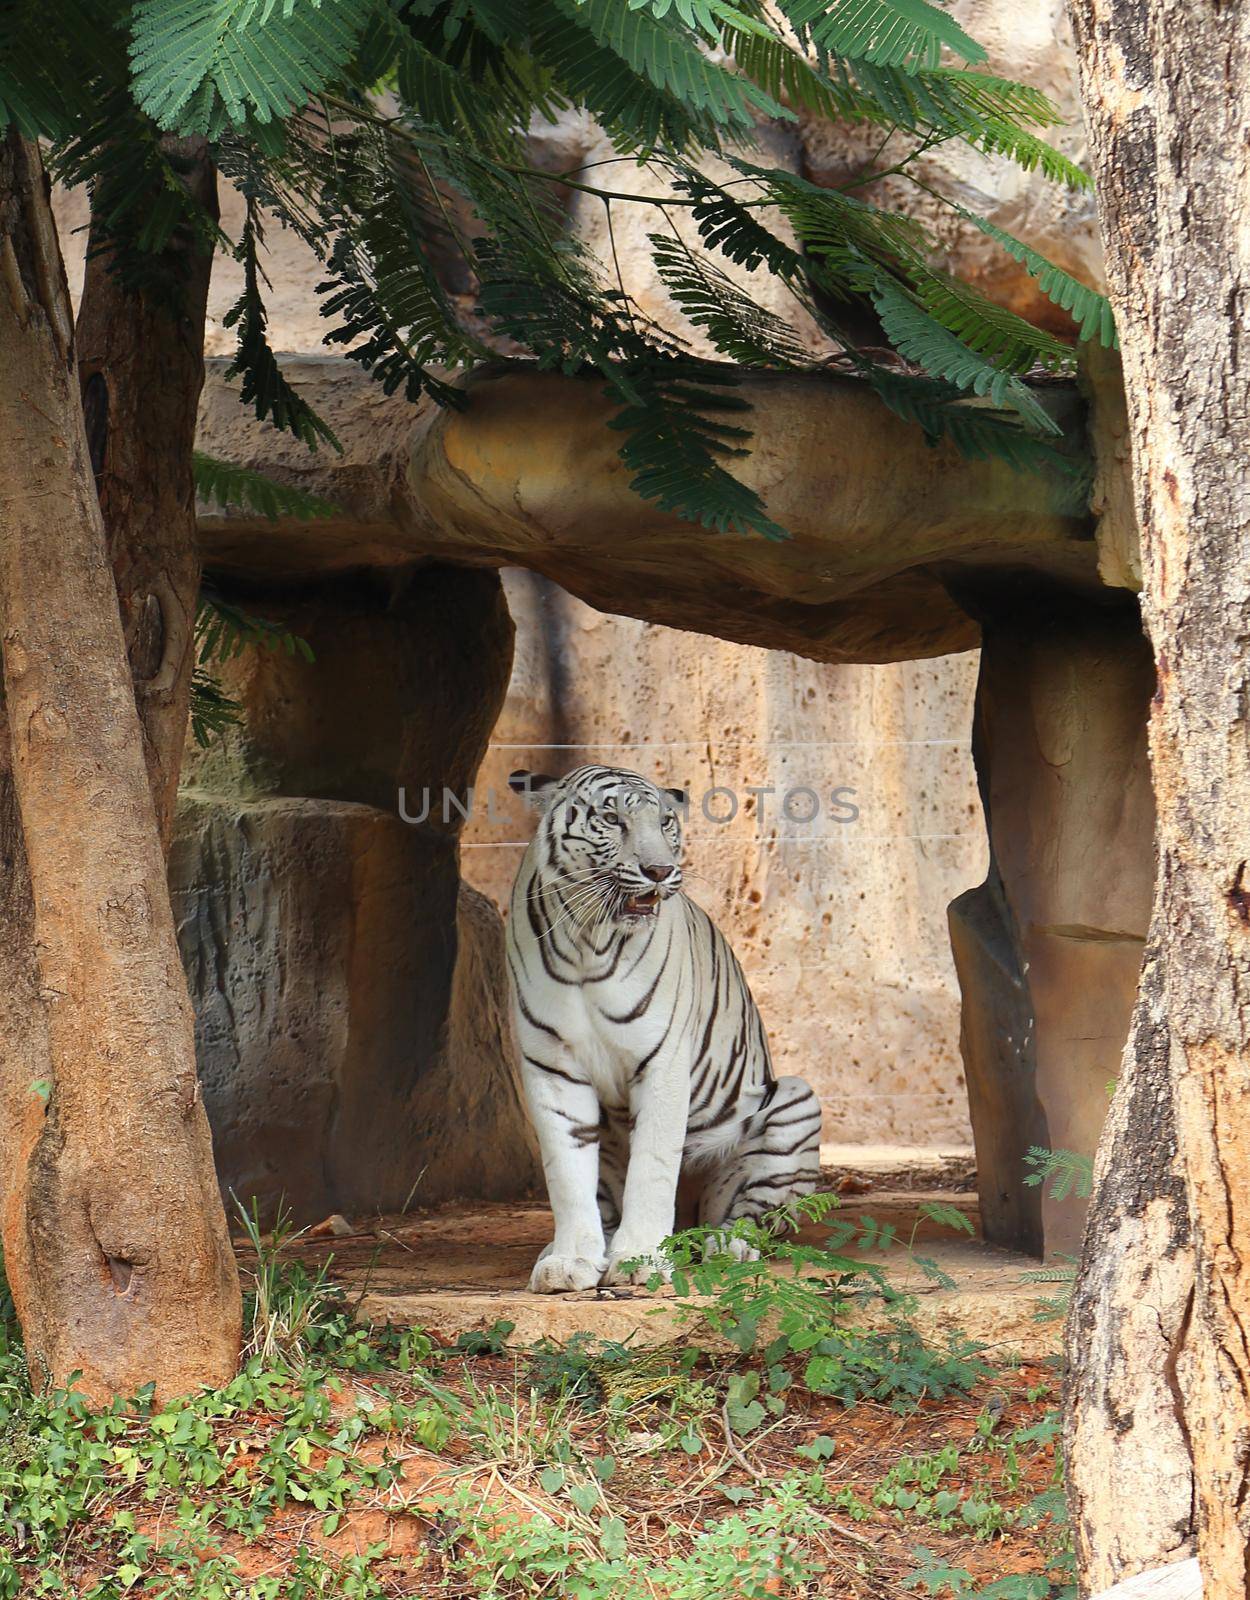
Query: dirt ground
435,1431
412,1530
465,1266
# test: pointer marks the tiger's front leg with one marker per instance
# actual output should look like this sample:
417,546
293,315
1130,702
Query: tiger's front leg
659,1104
565,1114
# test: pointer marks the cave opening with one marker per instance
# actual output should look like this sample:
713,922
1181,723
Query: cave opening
956,997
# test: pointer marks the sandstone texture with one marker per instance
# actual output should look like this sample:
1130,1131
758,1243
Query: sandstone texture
840,921
881,524
1049,948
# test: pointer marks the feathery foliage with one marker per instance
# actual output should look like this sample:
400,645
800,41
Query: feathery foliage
213,712
391,135
1089,310
228,485
223,631
264,387
200,66
890,33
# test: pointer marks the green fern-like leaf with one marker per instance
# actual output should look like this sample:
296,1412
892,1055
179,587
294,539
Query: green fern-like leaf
224,631
892,33
1049,1275
674,439
736,230
201,65
483,94
787,77
988,328
663,54
229,485
831,223
263,386
213,711
959,101
396,319
708,17
922,339
671,409
1090,310
634,111
740,328
1065,1172
994,115
982,433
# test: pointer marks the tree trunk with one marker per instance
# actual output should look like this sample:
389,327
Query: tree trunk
1167,93
1130,1485
141,366
113,1224
25,1069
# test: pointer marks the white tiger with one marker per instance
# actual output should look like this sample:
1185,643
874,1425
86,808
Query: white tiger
643,1054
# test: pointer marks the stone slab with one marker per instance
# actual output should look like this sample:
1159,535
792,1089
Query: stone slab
465,1265
990,1303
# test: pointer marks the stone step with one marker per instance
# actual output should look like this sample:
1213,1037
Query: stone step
465,1266
900,1166
989,1302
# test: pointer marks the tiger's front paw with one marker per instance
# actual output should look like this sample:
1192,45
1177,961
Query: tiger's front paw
554,1274
627,1265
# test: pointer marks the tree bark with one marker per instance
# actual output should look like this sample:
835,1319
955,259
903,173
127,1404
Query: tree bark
141,366
113,1223
25,1065
1130,1483
1166,85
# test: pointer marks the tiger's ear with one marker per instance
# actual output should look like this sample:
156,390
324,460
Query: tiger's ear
535,787
680,798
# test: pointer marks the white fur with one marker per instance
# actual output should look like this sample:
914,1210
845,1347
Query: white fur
595,1073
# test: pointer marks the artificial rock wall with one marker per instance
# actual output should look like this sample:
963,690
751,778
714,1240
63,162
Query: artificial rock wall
840,923
347,983
352,1043
1048,949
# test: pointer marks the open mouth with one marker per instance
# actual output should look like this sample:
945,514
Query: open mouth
641,905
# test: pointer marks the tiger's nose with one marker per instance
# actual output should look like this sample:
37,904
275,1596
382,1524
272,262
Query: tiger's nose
657,871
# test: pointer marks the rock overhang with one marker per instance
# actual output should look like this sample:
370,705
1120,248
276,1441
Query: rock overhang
890,535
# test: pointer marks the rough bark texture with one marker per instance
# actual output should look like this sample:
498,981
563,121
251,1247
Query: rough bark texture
1130,1485
113,1225
24,1061
141,366
1167,91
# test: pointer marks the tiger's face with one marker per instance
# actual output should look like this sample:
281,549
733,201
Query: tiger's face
611,837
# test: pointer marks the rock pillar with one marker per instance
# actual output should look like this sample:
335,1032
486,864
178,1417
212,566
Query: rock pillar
1049,947
352,1034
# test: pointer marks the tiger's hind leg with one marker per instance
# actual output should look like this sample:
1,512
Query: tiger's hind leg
776,1160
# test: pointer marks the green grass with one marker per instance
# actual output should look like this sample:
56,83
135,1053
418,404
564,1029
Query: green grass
354,1463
